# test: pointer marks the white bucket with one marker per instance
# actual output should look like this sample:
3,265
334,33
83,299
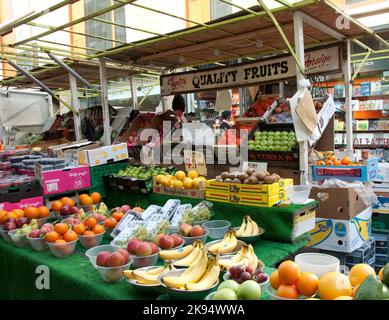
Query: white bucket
317,263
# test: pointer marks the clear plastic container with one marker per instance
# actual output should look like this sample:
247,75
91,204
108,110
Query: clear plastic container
91,241
272,295
145,261
217,228
41,221
298,194
61,250
19,240
5,235
113,274
38,244
146,288
93,252
317,263
190,240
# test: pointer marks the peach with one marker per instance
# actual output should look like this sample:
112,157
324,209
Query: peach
177,239
157,238
185,229
197,231
143,249
124,253
102,258
166,242
115,260
154,248
131,246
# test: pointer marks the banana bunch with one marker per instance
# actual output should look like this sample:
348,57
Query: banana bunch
200,276
248,228
182,253
226,245
245,256
147,277
192,258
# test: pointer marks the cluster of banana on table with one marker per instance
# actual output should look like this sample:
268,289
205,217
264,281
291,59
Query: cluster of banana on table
148,277
200,276
226,245
245,256
248,228
184,257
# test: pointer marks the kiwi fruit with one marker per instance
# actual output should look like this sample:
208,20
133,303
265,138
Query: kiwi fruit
276,175
228,180
260,175
253,180
219,178
225,175
267,173
243,176
236,180
270,179
250,171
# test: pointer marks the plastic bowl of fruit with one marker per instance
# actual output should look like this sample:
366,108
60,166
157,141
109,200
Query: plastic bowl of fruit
262,278
61,250
182,294
41,221
273,295
93,252
251,239
238,247
113,274
145,261
149,288
38,244
217,228
5,235
190,240
90,241
298,194
19,240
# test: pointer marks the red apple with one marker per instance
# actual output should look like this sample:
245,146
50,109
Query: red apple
177,239
75,210
102,257
116,259
34,234
154,248
157,238
166,242
132,245
10,226
197,231
47,227
125,208
125,254
143,249
185,229
66,210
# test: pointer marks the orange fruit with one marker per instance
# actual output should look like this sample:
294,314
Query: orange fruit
287,291
19,212
274,280
288,272
43,212
118,215
355,290
337,163
96,197
307,284
60,241
346,161
110,223
70,235
334,284
344,298
90,222
56,205
89,233
320,163
332,158
329,163
359,272
85,199
3,216
79,228
380,273
51,236
98,228
31,212
69,201
61,228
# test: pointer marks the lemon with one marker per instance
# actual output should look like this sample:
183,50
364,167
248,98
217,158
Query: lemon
193,174
180,175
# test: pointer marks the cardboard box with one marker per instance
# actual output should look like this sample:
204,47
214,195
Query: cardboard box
189,193
382,206
383,173
9,206
337,203
63,180
363,173
255,199
341,235
17,194
59,150
303,222
103,155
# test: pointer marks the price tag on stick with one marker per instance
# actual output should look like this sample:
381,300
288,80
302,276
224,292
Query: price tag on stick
195,160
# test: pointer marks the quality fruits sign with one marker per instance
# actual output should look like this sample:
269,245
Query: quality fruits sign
317,61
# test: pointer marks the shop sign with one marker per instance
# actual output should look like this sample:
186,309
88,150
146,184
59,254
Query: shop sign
317,61
257,166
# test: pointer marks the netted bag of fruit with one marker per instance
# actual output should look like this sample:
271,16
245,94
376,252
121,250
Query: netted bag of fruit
201,212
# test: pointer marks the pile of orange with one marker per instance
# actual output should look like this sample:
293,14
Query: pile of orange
29,212
290,283
114,219
89,227
58,204
61,234
332,161
86,199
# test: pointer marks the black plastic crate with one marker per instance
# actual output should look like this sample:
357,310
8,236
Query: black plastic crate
381,259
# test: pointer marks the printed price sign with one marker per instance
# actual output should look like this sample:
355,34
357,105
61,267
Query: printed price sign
257,166
195,160
147,156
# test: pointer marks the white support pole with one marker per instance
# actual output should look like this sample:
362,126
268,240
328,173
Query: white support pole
134,95
349,93
164,98
76,107
299,48
104,102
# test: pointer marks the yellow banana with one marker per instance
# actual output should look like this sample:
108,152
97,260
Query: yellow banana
248,231
188,260
129,274
208,279
215,247
252,257
192,274
255,228
145,278
242,227
240,254
157,270
228,244
176,254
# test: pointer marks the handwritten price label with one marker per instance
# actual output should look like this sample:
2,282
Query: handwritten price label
195,160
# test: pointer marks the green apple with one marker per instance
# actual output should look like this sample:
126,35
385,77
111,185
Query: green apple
231,284
249,290
225,294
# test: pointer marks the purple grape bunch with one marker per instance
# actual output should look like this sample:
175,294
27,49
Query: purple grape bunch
242,273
